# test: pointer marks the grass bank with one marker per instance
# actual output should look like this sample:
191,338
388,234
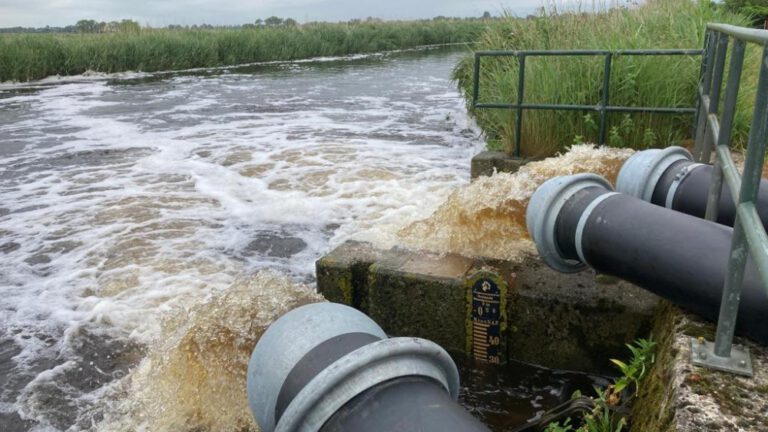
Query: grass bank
25,57
635,81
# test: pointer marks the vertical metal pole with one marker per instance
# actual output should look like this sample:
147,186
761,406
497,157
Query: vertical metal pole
520,90
476,82
729,304
719,67
753,168
726,125
758,137
715,90
701,124
604,102
702,68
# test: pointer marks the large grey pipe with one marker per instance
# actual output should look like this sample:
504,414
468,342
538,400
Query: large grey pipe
670,178
327,367
578,221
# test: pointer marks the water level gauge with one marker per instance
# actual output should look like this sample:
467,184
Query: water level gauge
488,300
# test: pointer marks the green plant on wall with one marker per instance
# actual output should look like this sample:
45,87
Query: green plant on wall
603,417
641,360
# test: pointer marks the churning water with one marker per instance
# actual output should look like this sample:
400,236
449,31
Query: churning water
139,215
152,226
487,217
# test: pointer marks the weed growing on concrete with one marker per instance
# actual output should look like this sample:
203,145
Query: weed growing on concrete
605,417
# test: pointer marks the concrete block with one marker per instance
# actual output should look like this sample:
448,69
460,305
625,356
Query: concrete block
487,162
342,274
422,295
491,309
677,396
573,321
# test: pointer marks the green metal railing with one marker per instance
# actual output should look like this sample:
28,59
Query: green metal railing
603,107
713,129
749,236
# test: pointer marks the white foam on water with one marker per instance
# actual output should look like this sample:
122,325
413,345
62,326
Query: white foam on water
128,206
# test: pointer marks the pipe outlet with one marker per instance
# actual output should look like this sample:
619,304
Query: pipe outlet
578,221
328,367
669,178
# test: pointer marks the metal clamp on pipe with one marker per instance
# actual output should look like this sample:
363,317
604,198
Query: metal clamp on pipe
578,220
670,178
328,367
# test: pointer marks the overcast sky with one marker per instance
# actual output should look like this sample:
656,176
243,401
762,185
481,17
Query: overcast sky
39,13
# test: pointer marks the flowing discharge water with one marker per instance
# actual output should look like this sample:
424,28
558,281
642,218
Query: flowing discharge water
136,211
153,225
487,218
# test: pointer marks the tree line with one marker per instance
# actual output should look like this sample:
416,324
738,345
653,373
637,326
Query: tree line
82,26
131,26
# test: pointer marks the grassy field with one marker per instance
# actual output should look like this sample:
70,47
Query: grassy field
635,81
25,57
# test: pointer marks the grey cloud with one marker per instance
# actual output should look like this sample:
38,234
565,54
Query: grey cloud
38,13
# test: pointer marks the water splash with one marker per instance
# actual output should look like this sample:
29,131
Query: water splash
487,217
193,377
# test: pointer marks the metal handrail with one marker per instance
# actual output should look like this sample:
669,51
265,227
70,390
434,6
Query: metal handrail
749,236
603,107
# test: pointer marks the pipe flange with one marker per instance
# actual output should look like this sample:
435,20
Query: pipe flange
542,212
641,172
362,369
287,341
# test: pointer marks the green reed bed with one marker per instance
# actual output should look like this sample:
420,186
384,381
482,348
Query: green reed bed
635,81
25,57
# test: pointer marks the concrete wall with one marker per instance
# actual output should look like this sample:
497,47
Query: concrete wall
493,310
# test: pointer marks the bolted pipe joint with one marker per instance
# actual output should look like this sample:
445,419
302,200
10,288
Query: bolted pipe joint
670,178
328,367
641,173
544,209
578,221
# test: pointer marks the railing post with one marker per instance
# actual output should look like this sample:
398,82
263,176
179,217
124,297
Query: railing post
604,102
520,90
726,125
714,92
476,81
702,68
749,187
748,231
703,97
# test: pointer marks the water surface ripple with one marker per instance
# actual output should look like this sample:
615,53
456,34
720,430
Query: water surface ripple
128,201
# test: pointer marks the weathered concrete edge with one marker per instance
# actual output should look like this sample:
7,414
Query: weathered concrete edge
678,397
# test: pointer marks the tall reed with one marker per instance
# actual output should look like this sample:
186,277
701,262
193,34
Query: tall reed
25,57
635,81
